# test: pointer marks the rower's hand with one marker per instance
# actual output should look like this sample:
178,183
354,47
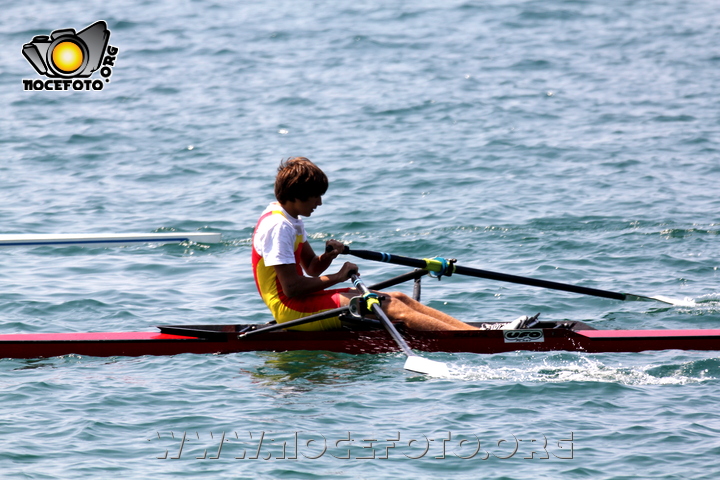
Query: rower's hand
333,248
347,270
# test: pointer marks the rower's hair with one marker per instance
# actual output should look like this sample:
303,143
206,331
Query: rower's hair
299,179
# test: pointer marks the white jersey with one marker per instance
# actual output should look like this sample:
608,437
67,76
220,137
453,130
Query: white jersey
276,236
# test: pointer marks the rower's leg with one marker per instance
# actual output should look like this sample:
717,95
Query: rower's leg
400,307
415,315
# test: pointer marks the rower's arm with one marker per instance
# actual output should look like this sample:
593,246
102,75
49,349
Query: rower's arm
315,265
294,285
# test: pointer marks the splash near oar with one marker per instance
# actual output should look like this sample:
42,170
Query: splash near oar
439,267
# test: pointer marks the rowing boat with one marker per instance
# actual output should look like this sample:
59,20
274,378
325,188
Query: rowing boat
358,336
224,339
107,239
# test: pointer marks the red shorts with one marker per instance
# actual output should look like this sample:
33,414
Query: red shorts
299,307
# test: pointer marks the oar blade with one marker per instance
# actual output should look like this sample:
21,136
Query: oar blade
686,302
418,364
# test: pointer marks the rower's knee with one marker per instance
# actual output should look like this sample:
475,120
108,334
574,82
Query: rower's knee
398,296
396,304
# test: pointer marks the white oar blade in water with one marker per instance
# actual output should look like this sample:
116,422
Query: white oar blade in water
686,302
419,364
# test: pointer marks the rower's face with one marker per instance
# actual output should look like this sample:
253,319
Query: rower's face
307,207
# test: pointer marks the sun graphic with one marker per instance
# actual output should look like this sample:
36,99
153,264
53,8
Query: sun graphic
67,56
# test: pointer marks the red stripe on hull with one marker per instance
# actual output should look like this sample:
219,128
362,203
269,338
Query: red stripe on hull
650,333
376,341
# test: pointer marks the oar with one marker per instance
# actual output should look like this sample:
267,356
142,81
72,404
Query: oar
107,239
442,266
414,362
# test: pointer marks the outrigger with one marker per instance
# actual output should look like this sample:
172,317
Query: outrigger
362,335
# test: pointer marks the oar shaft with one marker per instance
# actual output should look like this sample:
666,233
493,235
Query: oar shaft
383,318
534,282
476,272
106,239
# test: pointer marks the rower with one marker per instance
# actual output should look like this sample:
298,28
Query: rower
290,276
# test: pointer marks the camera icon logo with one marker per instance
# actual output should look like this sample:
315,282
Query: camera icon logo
68,54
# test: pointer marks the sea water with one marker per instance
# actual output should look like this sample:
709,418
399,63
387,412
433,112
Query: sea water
575,141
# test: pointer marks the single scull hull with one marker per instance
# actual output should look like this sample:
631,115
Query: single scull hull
225,339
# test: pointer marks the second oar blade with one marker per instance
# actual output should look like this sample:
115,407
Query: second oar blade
416,363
